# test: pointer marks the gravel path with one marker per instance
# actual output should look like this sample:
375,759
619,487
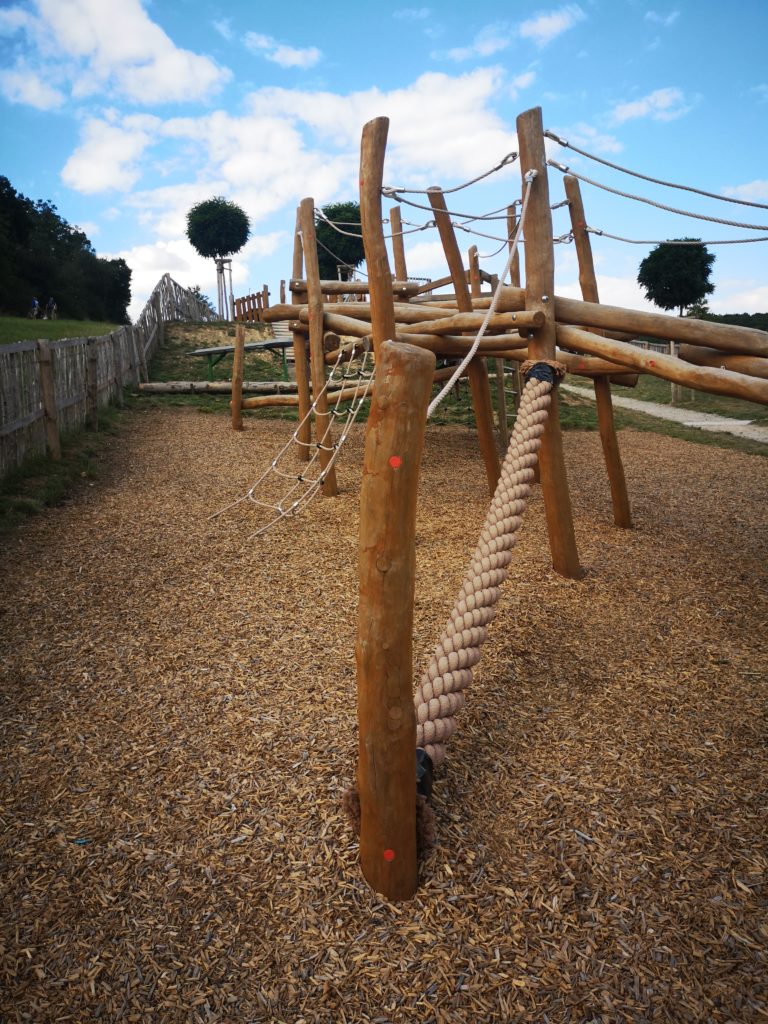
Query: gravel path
179,726
689,418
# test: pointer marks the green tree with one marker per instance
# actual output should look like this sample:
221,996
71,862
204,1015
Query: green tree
337,254
677,276
217,227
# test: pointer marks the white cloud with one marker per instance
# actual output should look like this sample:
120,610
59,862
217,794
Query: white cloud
661,105
224,28
112,46
739,296
586,137
108,157
279,53
489,40
545,27
613,291
22,85
753,191
666,20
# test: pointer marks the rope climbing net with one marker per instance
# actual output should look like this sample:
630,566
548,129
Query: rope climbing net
347,387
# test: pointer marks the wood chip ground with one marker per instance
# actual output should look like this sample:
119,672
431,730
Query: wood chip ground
179,726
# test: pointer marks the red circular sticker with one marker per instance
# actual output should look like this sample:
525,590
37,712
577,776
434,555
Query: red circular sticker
389,855
395,461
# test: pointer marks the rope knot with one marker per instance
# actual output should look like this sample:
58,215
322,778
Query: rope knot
543,369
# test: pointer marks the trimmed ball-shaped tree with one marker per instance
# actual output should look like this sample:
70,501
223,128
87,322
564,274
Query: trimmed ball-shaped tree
217,227
677,276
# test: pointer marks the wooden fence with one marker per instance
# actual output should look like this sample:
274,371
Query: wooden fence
50,387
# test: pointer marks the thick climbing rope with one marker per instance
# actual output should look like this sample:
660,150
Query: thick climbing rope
652,202
647,177
440,693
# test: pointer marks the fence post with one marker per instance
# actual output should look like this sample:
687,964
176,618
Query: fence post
394,441
143,372
45,362
117,360
91,384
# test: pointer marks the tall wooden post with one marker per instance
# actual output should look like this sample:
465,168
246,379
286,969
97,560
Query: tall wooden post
115,340
323,435
622,515
477,372
300,363
92,384
475,286
50,415
282,291
539,295
398,246
386,773
514,280
373,145
237,378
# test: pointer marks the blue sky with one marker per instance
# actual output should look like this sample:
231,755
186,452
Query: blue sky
125,113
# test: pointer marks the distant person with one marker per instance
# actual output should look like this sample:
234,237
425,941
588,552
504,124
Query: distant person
35,309
51,309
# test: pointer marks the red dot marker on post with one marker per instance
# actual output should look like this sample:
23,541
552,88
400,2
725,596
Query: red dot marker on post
389,855
395,461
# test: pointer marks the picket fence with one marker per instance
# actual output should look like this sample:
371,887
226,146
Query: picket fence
47,388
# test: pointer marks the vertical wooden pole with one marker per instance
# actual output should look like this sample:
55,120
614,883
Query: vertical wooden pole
265,297
92,384
323,434
622,515
237,378
539,295
50,413
282,292
475,286
373,145
514,280
115,341
160,321
398,245
300,363
386,774
477,372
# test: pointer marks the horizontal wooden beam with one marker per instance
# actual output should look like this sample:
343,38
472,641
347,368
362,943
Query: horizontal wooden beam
700,378
753,366
355,287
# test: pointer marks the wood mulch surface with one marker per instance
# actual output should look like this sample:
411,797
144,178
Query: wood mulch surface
179,725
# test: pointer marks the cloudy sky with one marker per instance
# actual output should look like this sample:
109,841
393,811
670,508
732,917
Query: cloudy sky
125,113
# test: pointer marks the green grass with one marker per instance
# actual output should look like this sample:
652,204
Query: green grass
41,482
653,389
19,328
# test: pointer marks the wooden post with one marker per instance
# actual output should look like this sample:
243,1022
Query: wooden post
237,378
475,285
477,371
265,297
386,773
141,354
282,291
373,146
540,294
323,435
91,384
398,246
622,515
117,362
160,321
300,362
514,280
50,416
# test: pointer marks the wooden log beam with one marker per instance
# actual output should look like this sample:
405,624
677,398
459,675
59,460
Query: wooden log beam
539,295
700,378
752,366
373,147
217,387
323,435
398,244
523,321
300,358
386,774
292,401
622,515
400,288
479,384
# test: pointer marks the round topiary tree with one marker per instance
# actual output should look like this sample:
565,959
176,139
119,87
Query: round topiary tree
339,254
217,228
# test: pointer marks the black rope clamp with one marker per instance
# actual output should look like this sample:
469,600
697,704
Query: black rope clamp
423,773
542,371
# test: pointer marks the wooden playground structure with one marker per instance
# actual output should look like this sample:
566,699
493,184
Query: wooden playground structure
408,326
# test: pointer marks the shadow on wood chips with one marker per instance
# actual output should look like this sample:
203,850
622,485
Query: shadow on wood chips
179,725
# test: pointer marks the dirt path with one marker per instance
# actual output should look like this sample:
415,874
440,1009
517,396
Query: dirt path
178,727
689,418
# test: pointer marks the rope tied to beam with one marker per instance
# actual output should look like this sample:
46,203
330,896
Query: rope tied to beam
440,694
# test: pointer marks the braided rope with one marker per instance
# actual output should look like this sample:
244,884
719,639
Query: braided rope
441,691
391,191
656,181
676,241
652,202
